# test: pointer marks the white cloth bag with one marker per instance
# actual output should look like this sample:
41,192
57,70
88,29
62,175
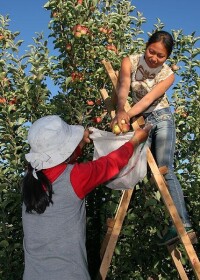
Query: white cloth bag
136,169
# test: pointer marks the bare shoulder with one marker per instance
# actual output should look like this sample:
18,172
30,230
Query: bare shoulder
125,64
126,61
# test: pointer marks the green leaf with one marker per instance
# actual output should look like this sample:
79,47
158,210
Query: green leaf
4,244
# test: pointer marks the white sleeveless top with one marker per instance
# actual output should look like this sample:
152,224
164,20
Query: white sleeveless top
144,79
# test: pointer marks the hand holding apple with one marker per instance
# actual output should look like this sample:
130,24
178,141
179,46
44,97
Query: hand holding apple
125,127
121,118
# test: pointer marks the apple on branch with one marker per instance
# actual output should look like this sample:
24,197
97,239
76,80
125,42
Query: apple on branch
111,47
84,30
68,47
90,102
98,102
2,100
97,119
80,2
103,30
77,34
13,101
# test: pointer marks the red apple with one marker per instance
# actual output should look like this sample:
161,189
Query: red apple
116,130
68,47
77,27
55,14
13,101
111,48
84,30
90,102
1,37
184,115
125,127
73,75
77,34
77,76
97,119
80,2
103,30
2,100
98,102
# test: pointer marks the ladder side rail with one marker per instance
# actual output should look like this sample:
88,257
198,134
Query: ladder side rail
109,250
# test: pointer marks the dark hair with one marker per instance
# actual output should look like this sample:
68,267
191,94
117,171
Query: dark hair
36,193
164,37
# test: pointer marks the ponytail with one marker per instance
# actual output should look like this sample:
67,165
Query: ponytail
36,193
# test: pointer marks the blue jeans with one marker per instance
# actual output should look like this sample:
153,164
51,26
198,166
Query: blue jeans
162,143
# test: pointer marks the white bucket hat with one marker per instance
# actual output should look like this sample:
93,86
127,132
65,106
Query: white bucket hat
52,141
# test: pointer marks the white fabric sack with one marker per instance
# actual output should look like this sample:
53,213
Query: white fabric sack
136,169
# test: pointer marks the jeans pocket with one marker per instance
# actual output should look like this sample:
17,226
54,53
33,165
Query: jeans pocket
165,117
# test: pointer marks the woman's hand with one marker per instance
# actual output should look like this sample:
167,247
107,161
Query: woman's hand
140,135
120,118
86,139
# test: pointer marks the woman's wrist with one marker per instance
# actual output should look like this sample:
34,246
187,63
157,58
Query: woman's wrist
120,109
135,141
130,113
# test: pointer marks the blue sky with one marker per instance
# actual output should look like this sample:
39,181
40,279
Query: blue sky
29,17
175,14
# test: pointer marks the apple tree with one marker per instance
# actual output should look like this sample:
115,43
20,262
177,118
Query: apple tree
24,97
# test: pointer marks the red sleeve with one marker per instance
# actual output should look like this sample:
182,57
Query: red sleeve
86,176
77,153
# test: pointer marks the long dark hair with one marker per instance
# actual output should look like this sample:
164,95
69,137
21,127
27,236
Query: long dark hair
164,37
36,193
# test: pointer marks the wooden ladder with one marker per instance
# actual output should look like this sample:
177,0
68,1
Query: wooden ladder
114,225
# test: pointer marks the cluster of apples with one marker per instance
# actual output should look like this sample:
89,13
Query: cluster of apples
10,102
105,30
76,76
111,47
125,128
80,30
181,112
91,102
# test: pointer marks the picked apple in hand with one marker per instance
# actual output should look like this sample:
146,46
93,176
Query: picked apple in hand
125,128
116,130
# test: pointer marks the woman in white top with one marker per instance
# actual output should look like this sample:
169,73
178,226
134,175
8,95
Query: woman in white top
149,78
